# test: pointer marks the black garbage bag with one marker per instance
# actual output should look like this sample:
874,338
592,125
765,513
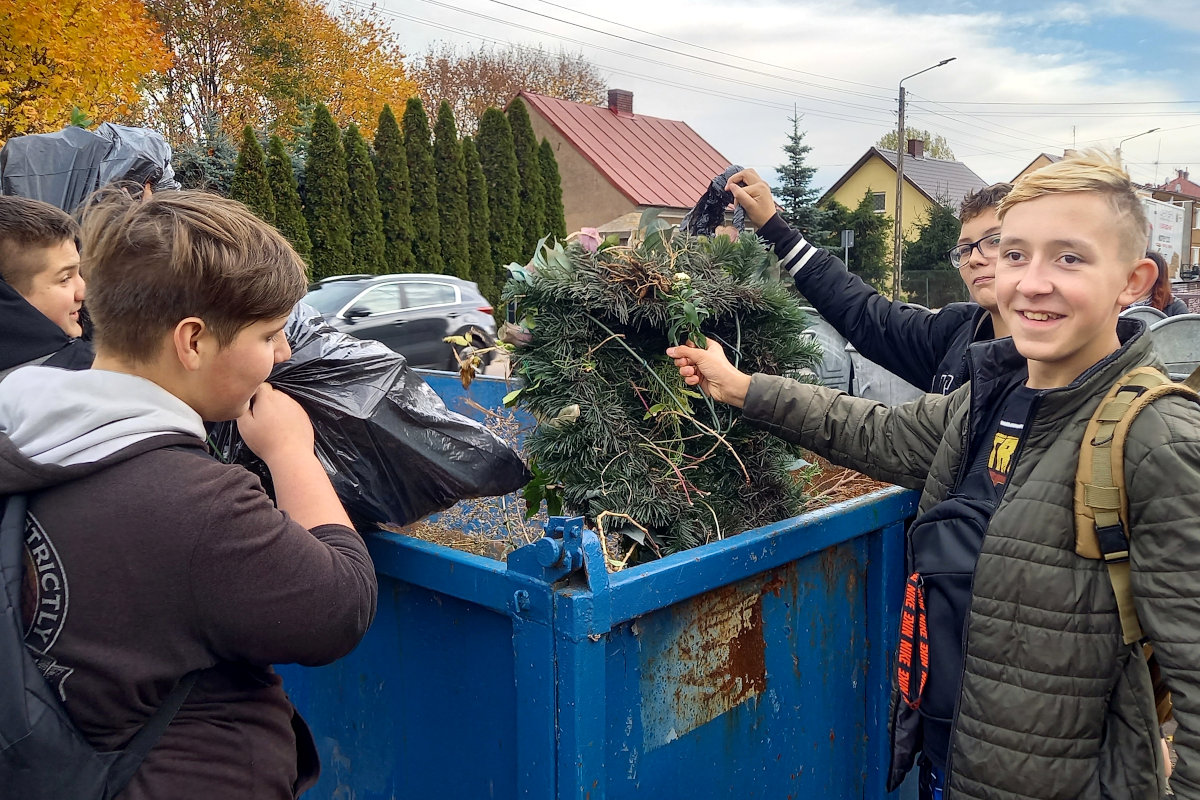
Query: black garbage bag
709,212
64,167
393,451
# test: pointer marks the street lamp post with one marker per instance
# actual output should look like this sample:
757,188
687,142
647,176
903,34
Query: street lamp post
1127,138
900,145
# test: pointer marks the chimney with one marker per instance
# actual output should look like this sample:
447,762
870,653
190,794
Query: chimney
620,101
1183,174
916,148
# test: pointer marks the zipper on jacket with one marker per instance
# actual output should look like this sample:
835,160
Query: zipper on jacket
1029,420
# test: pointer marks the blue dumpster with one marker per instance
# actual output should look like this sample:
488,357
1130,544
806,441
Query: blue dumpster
753,667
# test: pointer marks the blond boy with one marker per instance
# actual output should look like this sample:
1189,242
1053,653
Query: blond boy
1031,691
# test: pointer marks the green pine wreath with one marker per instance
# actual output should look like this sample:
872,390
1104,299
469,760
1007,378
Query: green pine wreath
618,431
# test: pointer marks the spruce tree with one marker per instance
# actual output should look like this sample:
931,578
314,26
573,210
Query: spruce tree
366,224
453,215
249,184
395,198
533,197
937,234
483,271
870,256
422,176
289,219
326,197
499,162
556,223
795,192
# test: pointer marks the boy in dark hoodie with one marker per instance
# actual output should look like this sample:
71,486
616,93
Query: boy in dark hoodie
41,290
147,559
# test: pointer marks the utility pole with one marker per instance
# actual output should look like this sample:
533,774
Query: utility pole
1126,139
900,146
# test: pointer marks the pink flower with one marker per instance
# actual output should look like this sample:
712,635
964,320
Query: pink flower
589,239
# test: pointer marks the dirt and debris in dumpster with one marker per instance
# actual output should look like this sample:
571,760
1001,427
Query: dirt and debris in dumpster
495,526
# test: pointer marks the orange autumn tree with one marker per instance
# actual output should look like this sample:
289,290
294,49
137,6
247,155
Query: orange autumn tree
263,62
58,54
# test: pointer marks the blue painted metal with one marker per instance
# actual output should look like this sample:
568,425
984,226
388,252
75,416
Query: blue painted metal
754,667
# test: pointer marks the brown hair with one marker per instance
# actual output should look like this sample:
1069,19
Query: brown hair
1089,171
986,198
27,226
151,263
1160,295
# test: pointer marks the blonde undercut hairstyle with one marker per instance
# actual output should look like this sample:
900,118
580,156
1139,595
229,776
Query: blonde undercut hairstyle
152,263
1089,171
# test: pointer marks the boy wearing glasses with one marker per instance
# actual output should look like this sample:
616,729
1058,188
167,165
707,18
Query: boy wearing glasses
926,349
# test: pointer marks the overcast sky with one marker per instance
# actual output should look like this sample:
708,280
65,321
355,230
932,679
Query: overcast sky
1036,77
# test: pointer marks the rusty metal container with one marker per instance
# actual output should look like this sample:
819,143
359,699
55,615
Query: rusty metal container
753,667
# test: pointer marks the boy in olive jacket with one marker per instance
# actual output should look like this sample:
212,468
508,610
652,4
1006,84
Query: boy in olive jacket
1031,691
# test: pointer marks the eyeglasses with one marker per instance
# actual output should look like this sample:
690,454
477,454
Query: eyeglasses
988,246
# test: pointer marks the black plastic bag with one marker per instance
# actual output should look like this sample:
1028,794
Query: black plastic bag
64,167
709,212
393,451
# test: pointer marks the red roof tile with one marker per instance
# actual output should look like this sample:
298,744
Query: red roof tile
1182,184
652,161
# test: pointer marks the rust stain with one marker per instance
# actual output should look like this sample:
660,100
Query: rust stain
701,659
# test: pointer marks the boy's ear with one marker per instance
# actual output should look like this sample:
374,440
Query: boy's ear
1141,281
187,339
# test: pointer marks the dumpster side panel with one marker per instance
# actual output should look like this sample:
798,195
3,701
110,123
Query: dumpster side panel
755,690
425,706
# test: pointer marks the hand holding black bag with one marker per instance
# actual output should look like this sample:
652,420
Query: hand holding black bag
393,451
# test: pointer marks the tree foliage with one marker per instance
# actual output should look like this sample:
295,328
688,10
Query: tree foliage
552,184
289,217
499,162
529,167
937,233
472,82
250,184
422,176
936,145
326,191
395,198
618,430
453,216
366,224
59,54
260,62
208,162
483,270
795,192
870,257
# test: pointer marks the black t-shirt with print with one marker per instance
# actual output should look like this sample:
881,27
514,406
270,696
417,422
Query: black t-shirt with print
946,542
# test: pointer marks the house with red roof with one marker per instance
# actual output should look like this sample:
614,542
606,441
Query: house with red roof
615,164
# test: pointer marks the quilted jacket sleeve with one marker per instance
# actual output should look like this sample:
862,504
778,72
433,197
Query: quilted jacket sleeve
1162,466
895,444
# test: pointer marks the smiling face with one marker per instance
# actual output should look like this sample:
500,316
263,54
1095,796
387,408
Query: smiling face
56,289
1061,281
979,270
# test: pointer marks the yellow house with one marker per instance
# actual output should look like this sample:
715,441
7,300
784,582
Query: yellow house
926,181
1042,160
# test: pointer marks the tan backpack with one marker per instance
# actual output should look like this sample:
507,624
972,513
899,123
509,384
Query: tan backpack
1102,505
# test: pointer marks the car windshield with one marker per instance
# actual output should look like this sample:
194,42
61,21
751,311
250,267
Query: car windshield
328,298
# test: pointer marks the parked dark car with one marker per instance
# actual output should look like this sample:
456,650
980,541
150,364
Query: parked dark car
411,314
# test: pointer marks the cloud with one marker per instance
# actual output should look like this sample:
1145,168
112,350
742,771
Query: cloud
840,65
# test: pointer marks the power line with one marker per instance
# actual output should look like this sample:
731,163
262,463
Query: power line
720,52
708,91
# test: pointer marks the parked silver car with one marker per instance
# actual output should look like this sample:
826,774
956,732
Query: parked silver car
411,314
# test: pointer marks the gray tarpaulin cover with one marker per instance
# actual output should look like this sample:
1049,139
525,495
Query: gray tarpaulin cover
64,167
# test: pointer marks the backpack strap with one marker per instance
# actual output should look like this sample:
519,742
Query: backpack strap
1101,502
144,740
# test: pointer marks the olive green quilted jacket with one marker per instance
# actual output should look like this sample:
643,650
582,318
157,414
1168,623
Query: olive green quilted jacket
1052,705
